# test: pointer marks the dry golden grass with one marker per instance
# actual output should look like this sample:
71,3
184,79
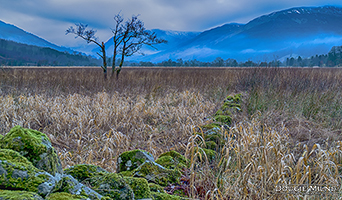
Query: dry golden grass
97,129
288,133
256,158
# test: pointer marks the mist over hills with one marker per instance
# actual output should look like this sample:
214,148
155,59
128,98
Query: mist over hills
304,31
174,40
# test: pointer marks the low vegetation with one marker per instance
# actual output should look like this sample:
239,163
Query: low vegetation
17,54
287,129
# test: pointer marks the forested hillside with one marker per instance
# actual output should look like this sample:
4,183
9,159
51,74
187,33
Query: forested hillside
16,54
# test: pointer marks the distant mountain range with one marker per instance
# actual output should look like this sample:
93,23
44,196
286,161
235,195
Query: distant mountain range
304,31
15,34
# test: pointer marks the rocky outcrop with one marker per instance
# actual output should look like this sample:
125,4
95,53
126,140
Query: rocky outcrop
17,173
131,160
213,133
31,169
72,186
35,146
172,160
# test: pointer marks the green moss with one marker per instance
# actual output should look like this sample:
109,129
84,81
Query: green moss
126,173
228,105
140,187
177,157
72,186
108,184
65,196
1,136
210,154
111,185
211,145
131,160
234,99
156,188
223,111
217,138
66,186
83,171
14,158
170,163
164,196
225,119
155,173
19,195
18,173
167,162
224,114
33,145
180,193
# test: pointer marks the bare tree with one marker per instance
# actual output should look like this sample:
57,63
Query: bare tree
129,38
89,36
117,38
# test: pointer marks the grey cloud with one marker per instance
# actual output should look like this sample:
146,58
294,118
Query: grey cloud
50,18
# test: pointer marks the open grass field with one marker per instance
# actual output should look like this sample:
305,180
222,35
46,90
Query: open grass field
288,132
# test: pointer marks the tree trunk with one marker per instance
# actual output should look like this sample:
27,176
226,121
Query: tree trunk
105,75
103,49
122,61
113,64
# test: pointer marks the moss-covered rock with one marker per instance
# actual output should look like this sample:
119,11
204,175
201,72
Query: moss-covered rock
170,163
84,171
212,140
233,102
35,146
164,196
65,196
108,184
105,183
211,126
167,162
140,187
211,145
213,131
156,188
230,105
177,161
224,119
155,173
17,173
112,185
207,153
131,160
217,138
72,186
19,195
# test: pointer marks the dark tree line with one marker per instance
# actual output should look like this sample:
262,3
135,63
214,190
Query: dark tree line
332,59
17,54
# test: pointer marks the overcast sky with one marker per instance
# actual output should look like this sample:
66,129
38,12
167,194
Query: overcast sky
50,18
